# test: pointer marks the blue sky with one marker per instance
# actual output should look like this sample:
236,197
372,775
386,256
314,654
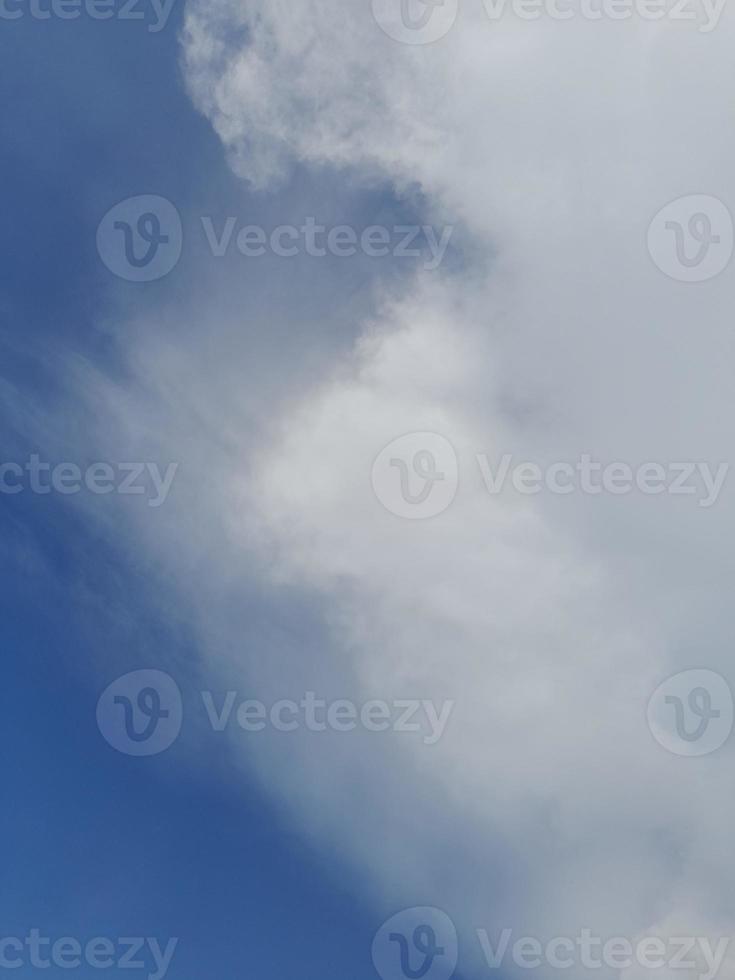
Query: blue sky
95,843
334,426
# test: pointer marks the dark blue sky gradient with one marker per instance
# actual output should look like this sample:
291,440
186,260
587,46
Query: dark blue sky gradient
93,843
